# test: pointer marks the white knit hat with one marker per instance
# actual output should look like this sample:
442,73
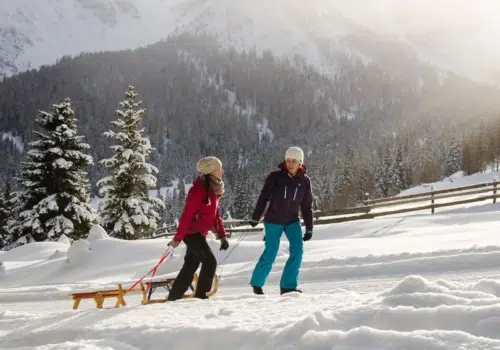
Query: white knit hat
208,165
295,153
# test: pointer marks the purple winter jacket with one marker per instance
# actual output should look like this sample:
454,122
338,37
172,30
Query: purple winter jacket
286,194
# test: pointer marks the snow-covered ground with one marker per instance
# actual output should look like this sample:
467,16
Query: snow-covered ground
416,281
458,179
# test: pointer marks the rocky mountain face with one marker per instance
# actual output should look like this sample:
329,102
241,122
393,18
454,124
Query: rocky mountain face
456,36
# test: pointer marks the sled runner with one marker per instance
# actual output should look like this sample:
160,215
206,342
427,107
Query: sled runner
147,289
167,284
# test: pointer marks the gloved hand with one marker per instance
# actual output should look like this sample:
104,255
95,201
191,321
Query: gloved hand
307,236
253,222
224,244
173,243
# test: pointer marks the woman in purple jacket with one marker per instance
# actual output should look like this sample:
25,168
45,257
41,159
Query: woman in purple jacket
287,190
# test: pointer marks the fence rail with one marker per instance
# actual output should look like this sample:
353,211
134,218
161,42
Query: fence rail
367,210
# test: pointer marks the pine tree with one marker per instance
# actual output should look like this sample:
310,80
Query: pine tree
365,183
325,188
398,178
471,157
344,182
55,195
496,143
5,214
382,176
181,187
167,215
453,158
243,204
127,211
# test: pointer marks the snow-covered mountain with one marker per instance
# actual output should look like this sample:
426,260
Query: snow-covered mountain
455,35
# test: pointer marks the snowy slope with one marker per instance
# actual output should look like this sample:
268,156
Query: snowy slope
456,36
459,179
401,282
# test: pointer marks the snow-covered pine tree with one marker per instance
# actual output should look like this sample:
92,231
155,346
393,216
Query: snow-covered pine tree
365,183
226,204
174,212
5,214
181,187
453,158
325,180
127,211
167,215
54,198
243,204
398,179
382,176
344,182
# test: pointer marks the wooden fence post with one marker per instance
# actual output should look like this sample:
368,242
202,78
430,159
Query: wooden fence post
432,199
495,179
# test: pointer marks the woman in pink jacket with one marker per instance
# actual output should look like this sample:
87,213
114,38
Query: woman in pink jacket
200,215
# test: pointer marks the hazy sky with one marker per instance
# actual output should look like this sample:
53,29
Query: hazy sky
422,15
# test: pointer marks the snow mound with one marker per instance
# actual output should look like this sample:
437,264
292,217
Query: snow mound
57,255
417,292
97,232
488,286
34,251
2,269
415,313
64,240
79,252
413,284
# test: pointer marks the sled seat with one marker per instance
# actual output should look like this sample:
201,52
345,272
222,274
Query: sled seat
166,284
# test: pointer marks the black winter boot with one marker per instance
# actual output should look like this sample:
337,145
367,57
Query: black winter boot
258,290
286,290
200,296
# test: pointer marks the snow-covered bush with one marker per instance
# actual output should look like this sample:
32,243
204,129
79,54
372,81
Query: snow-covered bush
79,252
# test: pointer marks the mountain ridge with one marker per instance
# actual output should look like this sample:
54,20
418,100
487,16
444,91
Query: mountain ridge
34,34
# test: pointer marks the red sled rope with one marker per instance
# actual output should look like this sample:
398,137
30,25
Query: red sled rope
153,270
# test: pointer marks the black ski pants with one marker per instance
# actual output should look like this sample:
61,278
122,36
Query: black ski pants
198,251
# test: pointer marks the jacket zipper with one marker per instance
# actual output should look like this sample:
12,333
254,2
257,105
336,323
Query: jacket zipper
286,189
296,189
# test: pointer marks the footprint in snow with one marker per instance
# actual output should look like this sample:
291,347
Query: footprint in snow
219,312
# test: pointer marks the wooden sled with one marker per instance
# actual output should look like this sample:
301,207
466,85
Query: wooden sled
167,284
99,296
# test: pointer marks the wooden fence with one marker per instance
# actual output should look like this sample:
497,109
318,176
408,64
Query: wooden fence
370,210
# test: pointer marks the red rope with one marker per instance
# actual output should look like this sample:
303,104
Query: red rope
153,270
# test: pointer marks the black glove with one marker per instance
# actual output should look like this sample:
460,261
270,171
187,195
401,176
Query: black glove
174,243
253,222
307,236
224,244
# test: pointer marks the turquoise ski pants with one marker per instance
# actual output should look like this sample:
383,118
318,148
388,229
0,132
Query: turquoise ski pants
290,276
